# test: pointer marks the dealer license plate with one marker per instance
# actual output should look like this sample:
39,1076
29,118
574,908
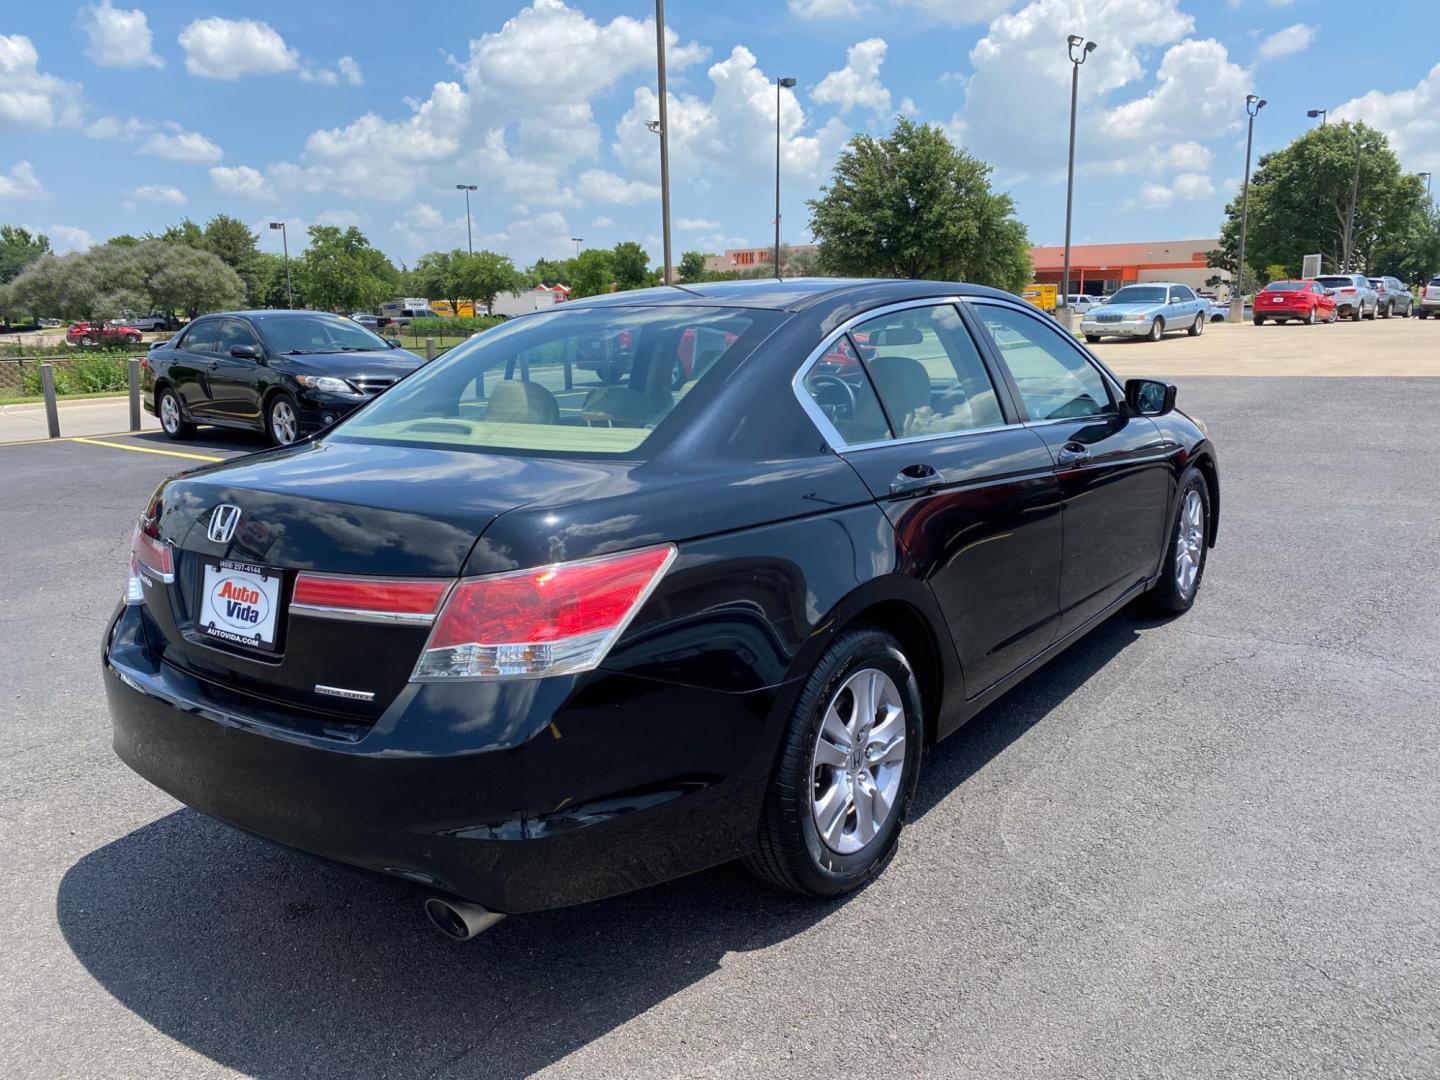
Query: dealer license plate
240,603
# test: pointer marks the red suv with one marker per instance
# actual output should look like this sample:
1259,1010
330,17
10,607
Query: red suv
84,333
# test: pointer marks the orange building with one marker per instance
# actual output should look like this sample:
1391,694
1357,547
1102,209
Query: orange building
1100,269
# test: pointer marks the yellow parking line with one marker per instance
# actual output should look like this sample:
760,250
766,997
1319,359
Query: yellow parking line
144,449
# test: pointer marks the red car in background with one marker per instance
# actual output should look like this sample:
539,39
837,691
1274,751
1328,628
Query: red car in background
1304,301
85,333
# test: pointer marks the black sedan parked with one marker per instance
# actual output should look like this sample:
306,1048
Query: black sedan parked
530,646
285,373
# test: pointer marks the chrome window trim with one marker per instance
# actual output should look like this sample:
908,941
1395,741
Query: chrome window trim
822,422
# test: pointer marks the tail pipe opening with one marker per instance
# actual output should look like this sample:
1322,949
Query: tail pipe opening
460,919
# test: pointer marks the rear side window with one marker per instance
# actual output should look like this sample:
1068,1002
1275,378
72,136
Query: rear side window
203,337
928,373
587,381
1054,378
234,332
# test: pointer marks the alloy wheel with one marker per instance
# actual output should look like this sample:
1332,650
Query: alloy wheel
284,425
857,761
169,414
1189,542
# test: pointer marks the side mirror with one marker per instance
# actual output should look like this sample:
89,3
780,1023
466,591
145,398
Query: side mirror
394,343
1149,397
244,352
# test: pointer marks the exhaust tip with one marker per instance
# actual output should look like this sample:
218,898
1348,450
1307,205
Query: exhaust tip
459,920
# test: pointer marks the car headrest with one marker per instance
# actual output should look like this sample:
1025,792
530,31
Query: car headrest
523,402
903,382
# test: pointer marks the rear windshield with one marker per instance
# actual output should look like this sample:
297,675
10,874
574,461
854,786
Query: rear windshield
1139,294
308,334
1286,286
592,382
1336,282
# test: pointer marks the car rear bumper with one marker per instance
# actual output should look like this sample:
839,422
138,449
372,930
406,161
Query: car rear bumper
521,796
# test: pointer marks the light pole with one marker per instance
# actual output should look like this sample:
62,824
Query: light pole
664,133
467,188
1253,105
578,240
1075,41
1427,185
786,84
1354,199
285,243
1322,113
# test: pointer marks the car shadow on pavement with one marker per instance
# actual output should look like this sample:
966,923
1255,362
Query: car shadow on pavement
276,965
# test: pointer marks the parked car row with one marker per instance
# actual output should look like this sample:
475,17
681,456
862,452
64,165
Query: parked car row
1331,297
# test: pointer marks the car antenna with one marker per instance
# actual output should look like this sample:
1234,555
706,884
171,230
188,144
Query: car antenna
682,288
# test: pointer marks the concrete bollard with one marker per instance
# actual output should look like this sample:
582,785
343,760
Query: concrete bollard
47,386
134,374
429,349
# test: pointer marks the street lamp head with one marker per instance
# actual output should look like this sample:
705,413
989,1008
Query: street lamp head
277,224
653,126
467,187
787,83
1075,41
1090,46
1313,113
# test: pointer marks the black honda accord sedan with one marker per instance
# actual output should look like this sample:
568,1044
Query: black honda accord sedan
285,373
530,640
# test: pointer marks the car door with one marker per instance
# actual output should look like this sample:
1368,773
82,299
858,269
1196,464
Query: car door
1115,482
972,493
189,368
1184,310
235,381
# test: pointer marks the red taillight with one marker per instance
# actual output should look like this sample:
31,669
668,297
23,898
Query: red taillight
1343,291
340,595
154,555
548,621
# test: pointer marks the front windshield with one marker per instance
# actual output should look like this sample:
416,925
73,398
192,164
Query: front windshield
1140,294
590,381
307,334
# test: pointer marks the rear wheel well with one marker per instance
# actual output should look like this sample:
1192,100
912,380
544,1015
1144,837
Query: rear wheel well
1206,465
917,640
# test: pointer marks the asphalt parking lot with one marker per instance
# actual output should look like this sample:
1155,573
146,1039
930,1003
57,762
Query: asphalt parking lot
1204,847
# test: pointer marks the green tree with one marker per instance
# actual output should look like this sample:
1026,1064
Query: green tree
551,272
912,205
230,239
269,279
692,266
340,271
434,277
18,249
187,233
630,266
1300,205
484,275
592,273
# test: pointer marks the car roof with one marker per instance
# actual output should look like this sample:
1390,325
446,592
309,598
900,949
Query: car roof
267,313
788,294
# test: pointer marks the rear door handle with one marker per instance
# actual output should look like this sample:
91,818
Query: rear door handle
1072,454
914,479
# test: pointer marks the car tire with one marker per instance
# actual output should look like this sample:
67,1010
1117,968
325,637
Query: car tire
1198,327
677,374
791,851
1186,548
1374,312
1310,316
282,419
1423,313
1157,329
1357,313
1093,339
1259,320
172,416
1389,308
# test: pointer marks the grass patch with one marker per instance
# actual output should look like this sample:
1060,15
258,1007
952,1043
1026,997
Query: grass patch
36,399
94,373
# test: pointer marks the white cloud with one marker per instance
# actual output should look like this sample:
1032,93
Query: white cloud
29,98
603,222
697,225
112,127
350,71
118,38
342,218
858,82
826,9
242,181
544,236
1409,118
21,183
1287,42
1187,156
597,185
1017,100
734,130
159,193
182,145
954,13
1187,187
218,48
68,238
1196,88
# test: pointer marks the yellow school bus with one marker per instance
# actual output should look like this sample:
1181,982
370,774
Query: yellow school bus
1042,296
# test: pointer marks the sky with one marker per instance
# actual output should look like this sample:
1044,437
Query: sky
118,119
